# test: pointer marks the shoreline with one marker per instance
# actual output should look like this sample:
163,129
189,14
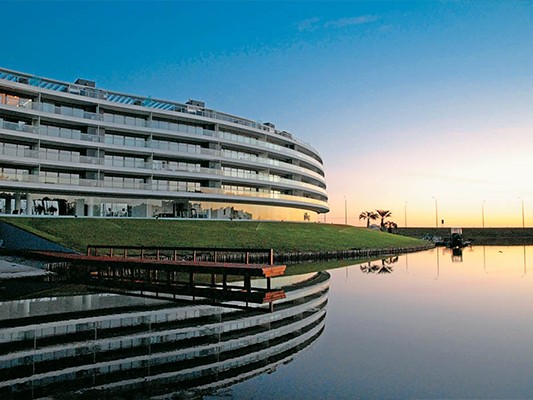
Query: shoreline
479,236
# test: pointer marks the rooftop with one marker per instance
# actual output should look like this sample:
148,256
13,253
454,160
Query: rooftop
87,88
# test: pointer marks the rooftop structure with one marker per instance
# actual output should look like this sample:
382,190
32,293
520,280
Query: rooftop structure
75,149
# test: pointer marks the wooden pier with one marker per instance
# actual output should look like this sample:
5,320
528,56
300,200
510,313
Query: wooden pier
176,271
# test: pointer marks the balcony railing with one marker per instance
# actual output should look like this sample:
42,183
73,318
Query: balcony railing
78,113
153,187
154,104
69,134
150,167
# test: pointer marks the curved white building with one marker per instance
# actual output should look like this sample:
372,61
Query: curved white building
74,149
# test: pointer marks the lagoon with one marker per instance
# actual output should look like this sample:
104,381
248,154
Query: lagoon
432,324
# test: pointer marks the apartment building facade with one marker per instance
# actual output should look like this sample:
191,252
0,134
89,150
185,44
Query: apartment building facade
75,149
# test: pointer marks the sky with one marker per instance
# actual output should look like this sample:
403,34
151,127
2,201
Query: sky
421,108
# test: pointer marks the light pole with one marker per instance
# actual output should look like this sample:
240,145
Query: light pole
436,213
483,214
345,211
405,213
523,220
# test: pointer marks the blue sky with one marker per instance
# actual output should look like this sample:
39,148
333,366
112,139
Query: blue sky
406,101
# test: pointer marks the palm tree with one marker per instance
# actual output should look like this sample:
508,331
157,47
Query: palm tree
368,215
390,225
383,214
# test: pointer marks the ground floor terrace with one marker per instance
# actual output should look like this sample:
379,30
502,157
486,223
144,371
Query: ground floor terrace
38,204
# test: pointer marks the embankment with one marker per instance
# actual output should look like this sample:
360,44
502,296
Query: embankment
479,236
292,238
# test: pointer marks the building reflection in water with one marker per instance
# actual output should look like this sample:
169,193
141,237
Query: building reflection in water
103,345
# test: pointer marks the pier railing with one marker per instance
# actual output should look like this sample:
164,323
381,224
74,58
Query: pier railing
194,254
243,256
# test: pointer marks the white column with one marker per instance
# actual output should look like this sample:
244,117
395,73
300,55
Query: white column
80,207
29,204
149,211
17,202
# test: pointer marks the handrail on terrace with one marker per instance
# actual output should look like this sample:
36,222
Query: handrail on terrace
148,102
145,252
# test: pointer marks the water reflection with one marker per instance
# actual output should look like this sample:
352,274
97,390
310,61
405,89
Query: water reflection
456,255
386,265
525,261
491,259
406,335
383,266
399,334
117,346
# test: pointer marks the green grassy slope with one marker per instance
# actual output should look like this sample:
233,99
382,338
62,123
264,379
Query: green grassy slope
77,233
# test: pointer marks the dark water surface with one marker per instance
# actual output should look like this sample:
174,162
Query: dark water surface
427,325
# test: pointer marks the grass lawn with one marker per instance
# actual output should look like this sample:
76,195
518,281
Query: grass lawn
77,233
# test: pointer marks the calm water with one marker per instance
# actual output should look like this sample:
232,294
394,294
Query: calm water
428,326
425,325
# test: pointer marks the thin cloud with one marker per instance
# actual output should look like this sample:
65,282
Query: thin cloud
312,24
343,22
308,24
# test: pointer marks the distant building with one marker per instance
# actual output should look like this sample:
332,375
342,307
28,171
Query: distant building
73,149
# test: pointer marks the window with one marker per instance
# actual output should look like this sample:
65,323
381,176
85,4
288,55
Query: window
15,101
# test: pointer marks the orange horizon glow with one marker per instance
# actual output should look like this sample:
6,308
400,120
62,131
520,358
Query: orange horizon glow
480,180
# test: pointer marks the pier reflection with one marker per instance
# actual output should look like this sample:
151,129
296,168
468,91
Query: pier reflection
107,346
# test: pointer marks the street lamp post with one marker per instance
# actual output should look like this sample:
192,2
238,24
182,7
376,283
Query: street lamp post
436,213
405,213
482,214
345,211
523,219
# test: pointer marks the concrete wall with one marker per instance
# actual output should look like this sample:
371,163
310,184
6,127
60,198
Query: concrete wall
480,236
